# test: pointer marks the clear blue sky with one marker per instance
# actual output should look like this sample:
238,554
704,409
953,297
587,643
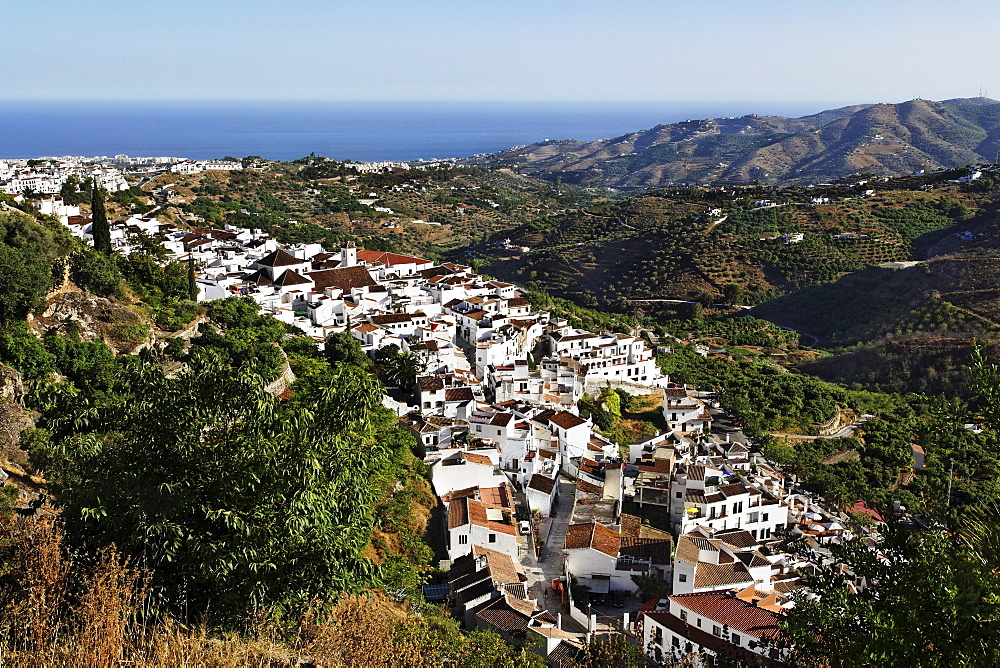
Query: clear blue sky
629,50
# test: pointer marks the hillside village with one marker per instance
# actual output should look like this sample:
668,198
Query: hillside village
539,546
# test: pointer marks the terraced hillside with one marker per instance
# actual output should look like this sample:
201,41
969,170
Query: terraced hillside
884,139
425,212
713,245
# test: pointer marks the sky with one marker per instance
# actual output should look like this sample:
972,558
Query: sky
504,50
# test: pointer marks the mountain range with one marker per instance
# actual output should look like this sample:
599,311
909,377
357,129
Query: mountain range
881,139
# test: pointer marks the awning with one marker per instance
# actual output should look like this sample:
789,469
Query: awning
597,585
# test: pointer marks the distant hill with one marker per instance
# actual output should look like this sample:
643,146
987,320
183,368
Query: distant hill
884,139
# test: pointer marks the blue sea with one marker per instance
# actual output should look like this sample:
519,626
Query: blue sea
361,131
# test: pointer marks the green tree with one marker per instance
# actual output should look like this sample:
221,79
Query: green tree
650,585
96,271
236,500
404,368
25,277
612,651
100,228
611,402
929,601
192,282
344,348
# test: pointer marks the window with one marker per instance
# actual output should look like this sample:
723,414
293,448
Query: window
698,622
764,517
463,540
675,641
679,494
493,538
716,630
735,639
683,578
684,613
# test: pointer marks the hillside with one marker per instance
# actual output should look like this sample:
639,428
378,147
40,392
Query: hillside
315,200
882,139
686,244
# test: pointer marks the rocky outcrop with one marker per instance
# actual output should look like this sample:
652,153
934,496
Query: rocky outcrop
11,385
94,318
284,379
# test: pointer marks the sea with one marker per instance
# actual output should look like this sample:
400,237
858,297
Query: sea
359,131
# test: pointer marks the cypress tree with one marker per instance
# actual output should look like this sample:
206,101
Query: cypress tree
192,282
100,229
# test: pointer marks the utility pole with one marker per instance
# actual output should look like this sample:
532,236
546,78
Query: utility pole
951,471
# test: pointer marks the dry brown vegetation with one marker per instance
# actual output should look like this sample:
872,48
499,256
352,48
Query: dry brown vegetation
62,608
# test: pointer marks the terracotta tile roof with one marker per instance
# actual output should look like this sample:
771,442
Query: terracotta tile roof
565,654
542,483
290,277
631,525
734,489
675,392
740,538
694,496
689,547
593,535
508,614
458,394
696,472
584,486
430,383
344,278
566,420
659,550
503,569
458,513
501,419
711,642
738,614
388,259
474,458
391,318
279,258
716,575
518,301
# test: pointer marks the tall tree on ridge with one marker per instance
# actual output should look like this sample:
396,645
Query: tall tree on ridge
100,229
192,281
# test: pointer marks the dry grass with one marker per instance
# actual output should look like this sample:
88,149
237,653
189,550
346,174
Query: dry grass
62,611
59,609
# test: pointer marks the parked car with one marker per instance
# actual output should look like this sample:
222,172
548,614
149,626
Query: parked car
525,527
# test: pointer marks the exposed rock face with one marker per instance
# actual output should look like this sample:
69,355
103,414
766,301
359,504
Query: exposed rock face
13,420
11,386
95,318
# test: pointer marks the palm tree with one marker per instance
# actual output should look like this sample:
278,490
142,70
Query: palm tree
404,368
650,586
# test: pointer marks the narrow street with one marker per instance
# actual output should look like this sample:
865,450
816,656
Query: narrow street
541,573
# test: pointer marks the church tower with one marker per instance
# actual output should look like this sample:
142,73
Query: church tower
349,255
